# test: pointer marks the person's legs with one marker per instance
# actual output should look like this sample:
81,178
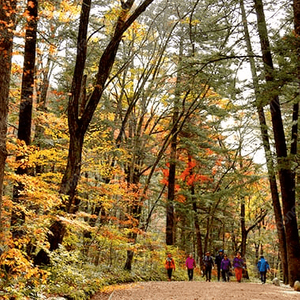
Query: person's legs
238,274
224,275
209,274
190,274
170,274
227,275
219,273
263,276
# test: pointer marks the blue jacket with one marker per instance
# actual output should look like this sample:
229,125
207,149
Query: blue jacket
263,265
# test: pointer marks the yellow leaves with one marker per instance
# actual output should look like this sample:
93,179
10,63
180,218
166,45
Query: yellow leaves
188,21
136,32
18,266
16,69
64,12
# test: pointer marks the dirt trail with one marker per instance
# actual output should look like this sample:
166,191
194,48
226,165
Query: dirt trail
196,290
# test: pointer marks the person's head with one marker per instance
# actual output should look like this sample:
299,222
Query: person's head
262,256
169,254
190,255
208,253
221,252
225,256
238,254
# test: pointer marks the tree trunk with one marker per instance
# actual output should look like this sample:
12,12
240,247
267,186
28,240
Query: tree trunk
197,230
7,25
25,116
170,230
25,113
78,125
243,228
267,149
171,192
286,176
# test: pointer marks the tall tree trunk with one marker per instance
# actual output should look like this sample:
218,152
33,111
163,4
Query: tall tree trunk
7,25
171,189
25,113
286,176
134,208
243,228
72,172
267,149
196,223
170,224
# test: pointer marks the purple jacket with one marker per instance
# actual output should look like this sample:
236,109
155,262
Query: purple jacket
238,262
225,264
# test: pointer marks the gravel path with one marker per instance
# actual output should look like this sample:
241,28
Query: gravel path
193,290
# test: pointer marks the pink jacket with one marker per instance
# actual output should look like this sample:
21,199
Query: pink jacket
190,263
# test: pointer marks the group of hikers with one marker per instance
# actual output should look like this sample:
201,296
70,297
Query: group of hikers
224,266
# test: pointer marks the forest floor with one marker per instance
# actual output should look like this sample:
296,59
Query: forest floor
197,290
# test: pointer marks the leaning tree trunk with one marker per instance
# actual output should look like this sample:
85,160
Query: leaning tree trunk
7,25
286,176
267,149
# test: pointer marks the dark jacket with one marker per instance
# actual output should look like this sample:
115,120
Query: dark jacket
218,260
208,261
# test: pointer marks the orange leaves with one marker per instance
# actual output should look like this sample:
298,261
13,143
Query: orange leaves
165,172
190,176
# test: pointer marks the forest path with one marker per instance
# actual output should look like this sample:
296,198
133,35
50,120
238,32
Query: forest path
198,290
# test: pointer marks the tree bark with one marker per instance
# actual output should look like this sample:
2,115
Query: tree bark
7,26
267,149
25,116
170,220
27,90
286,176
171,192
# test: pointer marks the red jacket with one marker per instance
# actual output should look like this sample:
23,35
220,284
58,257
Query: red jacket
170,263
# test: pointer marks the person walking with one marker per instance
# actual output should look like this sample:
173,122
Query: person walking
263,267
238,265
208,263
225,268
218,261
170,266
190,264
